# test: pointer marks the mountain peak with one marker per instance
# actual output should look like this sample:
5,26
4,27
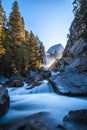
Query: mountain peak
55,48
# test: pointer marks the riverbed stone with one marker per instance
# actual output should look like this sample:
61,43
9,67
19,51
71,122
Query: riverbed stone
14,83
79,116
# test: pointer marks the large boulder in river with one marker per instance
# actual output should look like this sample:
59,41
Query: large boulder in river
74,84
4,101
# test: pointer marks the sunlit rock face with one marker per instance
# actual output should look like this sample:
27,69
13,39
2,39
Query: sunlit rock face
72,66
74,56
75,53
53,53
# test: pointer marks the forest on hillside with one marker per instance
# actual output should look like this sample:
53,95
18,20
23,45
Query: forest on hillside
20,50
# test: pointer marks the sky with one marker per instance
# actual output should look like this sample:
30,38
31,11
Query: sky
49,19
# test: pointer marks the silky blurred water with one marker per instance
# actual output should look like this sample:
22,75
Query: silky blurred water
40,99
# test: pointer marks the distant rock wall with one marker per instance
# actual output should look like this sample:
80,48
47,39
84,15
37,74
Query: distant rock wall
53,53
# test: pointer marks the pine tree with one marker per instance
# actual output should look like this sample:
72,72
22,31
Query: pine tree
16,24
34,51
2,28
80,11
41,50
2,16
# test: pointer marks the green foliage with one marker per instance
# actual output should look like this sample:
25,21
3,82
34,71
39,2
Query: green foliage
16,24
20,50
3,19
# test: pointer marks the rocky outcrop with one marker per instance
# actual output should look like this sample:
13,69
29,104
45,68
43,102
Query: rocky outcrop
74,57
73,84
72,79
4,101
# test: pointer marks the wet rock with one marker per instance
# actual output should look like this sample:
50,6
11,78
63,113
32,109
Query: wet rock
39,126
40,75
60,127
4,101
34,84
18,83
73,84
79,116
46,74
76,120
38,121
3,79
13,83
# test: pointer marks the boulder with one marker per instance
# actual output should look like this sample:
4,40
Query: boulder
75,120
14,83
4,101
3,79
73,84
46,74
79,116
18,83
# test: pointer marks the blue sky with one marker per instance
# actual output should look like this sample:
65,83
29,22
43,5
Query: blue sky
49,19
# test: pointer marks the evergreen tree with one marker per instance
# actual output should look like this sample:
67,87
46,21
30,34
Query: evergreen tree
80,11
41,50
16,24
2,28
2,16
34,51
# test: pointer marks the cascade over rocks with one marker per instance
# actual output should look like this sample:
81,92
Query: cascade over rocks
4,101
40,75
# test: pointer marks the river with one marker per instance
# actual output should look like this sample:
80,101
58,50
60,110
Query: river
40,99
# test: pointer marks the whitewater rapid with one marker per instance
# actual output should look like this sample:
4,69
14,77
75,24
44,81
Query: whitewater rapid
40,99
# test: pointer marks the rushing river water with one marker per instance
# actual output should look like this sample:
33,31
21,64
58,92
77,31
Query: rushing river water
40,99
